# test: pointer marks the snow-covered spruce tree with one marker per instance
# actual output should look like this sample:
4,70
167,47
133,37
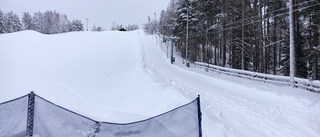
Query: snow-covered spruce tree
64,23
50,25
311,32
180,26
300,57
275,8
313,55
38,22
56,22
50,22
301,62
12,22
167,18
27,21
3,28
77,25
204,10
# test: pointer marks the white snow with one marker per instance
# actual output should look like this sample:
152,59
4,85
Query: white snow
125,76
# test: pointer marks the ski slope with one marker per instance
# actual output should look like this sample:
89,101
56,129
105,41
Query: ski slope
126,76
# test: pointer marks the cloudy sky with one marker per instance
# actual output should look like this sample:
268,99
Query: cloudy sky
100,12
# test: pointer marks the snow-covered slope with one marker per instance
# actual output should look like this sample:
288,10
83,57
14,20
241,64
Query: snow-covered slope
124,77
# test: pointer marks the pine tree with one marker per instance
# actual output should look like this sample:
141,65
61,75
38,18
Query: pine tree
3,28
167,18
64,24
311,33
17,24
12,22
37,22
77,25
27,21
180,26
301,62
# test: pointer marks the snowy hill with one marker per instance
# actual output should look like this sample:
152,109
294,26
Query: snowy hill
125,76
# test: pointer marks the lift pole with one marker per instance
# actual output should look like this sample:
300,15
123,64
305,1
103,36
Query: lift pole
172,39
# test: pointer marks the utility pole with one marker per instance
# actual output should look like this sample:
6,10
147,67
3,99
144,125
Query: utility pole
87,23
187,61
292,46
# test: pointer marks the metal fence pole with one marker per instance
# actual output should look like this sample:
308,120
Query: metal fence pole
199,116
30,115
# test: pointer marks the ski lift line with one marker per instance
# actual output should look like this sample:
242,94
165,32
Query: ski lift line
239,21
267,14
264,14
193,34
274,43
247,44
250,45
257,21
274,16
286,8
260,20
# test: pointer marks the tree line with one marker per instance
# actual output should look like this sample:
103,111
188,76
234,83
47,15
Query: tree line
130,27
245,34
49,22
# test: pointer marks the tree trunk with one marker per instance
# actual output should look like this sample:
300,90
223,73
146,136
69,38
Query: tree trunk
279,50
224,52
275,46
292,46
261,41
264,44
242,47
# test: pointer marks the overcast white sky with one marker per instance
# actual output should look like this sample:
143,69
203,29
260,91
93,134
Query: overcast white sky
100,12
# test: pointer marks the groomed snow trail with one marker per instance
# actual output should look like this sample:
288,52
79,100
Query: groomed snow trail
125,76
238,107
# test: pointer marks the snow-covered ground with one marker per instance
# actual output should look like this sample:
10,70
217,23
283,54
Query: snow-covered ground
125,76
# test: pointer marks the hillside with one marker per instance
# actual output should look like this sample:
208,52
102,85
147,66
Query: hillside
125,76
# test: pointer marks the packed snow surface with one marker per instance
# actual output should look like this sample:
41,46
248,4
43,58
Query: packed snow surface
126,76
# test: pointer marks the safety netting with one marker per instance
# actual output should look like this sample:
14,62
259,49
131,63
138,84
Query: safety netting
13,117
32,115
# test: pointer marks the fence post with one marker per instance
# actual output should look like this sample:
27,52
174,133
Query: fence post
93,132
97,127
30,115
199,116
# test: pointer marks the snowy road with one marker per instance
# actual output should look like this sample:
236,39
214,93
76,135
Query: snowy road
125,77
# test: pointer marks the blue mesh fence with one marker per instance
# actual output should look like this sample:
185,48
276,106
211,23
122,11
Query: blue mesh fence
13,117
45,119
